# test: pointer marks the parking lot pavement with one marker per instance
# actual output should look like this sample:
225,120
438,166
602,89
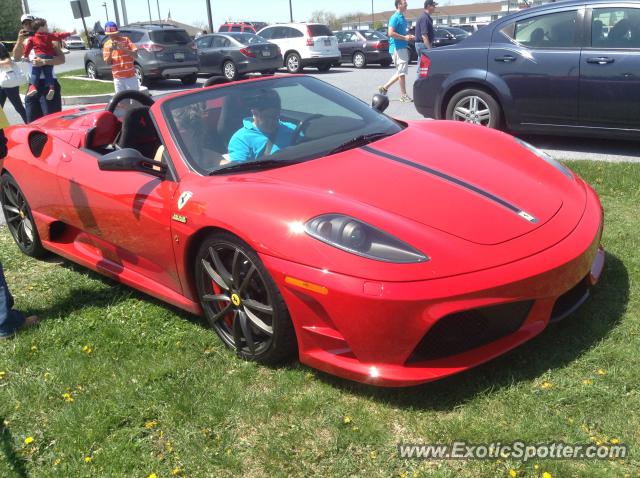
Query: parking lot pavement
364,84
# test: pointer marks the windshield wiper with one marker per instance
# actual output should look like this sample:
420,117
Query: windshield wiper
358,141
253,165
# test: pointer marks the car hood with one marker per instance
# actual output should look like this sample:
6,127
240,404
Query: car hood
482,187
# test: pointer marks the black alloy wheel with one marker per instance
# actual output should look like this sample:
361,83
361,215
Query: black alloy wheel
241,302
19,218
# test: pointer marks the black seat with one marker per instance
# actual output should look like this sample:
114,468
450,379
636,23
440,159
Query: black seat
139,132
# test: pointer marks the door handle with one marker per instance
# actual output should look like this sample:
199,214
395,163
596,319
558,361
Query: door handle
505,59
600,60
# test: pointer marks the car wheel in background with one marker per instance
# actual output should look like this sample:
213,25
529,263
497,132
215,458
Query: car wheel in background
385,64
229,70
293,63
142,79
359,60
241,302
189,80
324,67
19,219
474,106
92,70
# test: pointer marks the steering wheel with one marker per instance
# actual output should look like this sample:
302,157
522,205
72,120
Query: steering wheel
297,133
138,96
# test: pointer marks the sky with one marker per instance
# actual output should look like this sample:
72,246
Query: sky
194,12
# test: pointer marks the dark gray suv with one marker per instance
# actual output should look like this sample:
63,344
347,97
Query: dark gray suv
164,51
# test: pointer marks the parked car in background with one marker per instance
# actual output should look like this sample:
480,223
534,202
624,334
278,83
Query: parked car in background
362,47
73,42
561,68
458,33
304,44
472,27
164,51
237,27
232,54
443,37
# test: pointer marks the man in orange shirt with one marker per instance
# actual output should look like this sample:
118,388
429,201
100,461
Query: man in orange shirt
119,52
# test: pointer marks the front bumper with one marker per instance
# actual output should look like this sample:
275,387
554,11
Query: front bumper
371,331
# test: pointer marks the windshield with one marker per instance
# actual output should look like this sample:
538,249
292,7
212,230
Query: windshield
247,38
287,119
373,35
169,37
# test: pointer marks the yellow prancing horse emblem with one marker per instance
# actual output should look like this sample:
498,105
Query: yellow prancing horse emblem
235,299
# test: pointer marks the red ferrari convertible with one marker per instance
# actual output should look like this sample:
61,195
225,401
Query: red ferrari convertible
382,251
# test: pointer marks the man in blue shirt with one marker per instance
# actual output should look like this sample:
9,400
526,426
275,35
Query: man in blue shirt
424,30
398,47
263,133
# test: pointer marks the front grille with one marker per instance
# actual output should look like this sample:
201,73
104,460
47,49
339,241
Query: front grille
568,302
37,140
463,331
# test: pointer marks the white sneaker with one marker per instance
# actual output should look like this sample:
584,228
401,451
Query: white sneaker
405,99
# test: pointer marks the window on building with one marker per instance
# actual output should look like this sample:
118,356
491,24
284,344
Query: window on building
462,20
471,19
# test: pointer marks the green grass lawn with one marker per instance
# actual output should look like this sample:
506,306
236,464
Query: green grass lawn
115,383
76,87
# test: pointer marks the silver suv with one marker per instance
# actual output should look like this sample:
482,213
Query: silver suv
164,51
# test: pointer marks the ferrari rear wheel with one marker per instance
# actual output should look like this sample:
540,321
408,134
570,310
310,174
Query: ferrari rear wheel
241,302
19,218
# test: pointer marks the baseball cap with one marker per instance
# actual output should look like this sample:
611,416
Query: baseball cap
27,18
110,28
430,3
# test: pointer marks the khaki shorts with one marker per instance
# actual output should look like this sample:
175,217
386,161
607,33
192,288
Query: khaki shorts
401,60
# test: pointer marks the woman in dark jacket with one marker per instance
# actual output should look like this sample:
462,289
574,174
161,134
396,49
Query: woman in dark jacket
12,93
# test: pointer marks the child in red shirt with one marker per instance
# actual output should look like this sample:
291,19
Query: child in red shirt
42,44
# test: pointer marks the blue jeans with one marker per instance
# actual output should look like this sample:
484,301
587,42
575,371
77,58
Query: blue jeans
10,319
46,70
37,106
14,96
420,49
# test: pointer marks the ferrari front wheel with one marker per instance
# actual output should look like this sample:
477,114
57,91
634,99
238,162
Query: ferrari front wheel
19,219
241,302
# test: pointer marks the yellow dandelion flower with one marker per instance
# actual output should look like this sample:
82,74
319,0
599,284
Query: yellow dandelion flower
601,372
87,349
150,424
354,429
2,374
415,474
587,381
373,455
615,441
536,466
67,397
152,475
28,440
513,473
546,474
34,348
546,385
229,451
87,459
346,419
175,471
598,442
56,462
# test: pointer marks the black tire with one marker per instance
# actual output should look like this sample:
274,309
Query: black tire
269,72
241,302
142,78
474,106
293,63
229,70
189,80
92,70
385,64
19,219
324,67
359,59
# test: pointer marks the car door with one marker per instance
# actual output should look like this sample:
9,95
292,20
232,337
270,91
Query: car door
351,43
610,68
203,45
220,46
123,219
536,59
95,55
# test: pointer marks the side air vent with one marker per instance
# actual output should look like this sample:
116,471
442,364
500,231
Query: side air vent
37,140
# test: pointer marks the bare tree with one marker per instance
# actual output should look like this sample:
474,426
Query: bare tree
327,18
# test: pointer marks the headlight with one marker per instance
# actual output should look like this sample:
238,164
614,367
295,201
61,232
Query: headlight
359,238
545,157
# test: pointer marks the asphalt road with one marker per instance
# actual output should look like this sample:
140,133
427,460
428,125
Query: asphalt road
364,84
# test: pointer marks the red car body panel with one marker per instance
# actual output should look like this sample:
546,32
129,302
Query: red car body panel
374,314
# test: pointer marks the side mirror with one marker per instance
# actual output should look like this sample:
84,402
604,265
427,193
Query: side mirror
380,102
129,159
